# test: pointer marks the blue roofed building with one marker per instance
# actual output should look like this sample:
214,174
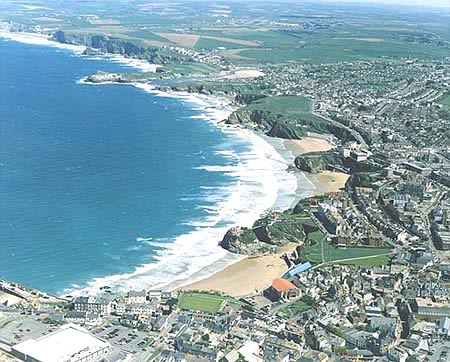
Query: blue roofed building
298,269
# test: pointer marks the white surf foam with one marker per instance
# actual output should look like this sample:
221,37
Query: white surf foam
45,40
260,178
192,256
40,39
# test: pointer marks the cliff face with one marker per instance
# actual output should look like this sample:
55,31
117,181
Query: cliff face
314,162
111,45
266,122
240,241
267,233
101,77
203,88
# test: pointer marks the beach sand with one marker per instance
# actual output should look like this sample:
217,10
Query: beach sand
245,73
253,274
308,144
245,277
325,181
328,181
9,299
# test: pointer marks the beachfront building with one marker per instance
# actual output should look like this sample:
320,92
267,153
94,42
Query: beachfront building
281,289
136,297
70,343
92,304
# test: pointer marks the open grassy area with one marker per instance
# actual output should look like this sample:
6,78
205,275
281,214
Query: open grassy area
295,308
287,105
189,68
323,252
201,302
329,50
445,101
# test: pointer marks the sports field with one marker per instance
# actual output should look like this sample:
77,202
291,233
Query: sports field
201,302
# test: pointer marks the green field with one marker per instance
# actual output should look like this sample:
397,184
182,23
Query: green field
445,101
290,108
288,105
295,308
189,68
323,252
201,302
338,50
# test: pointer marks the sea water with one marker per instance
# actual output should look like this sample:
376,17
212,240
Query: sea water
117,185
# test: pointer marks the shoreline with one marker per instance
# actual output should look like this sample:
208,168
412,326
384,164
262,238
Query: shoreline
247,276
291,186
285,198
250,273
40,39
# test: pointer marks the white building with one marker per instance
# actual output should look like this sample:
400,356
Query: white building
70,343
92,304
137,297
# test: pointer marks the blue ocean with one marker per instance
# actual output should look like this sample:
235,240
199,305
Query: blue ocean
112,184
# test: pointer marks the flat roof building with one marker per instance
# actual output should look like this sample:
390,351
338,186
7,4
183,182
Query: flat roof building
70,343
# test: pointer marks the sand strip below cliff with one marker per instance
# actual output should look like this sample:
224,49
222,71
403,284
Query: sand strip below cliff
253,274
308,144
248,276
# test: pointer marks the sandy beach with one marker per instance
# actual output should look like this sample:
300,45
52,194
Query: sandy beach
308,144
245,277
253,274
245,73
9,299
325,181
328,181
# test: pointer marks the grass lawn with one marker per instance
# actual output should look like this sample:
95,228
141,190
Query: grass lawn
286,105
201,302
445,101
323,252
294,309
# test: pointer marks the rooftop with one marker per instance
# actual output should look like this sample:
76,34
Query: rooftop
67,344
282,285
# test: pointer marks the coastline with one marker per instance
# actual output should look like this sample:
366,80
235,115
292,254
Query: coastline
292,187
244,277
289,188
45,40
251,274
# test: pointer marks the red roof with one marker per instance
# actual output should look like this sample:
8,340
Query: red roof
282,285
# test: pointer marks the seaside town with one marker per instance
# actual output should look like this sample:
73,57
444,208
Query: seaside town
359,271
367,275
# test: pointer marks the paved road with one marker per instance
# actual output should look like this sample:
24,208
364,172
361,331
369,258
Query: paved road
352,131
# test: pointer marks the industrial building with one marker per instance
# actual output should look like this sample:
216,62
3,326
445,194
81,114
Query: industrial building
70,343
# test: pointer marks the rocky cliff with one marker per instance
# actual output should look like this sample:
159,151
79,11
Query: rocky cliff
112,45
101,77
266,122
217,89
314,162
282,126
267,233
